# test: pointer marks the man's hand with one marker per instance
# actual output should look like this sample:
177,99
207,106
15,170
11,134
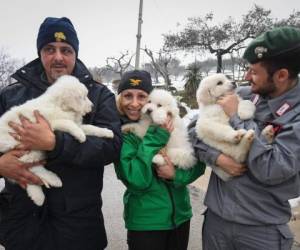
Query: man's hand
230,166
229,103
166,171
11,167
33,136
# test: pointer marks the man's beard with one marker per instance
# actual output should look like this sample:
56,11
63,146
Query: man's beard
268,88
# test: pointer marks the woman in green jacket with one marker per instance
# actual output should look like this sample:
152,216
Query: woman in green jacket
157,209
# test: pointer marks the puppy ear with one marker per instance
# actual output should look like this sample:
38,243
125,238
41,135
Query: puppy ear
203,96
174,111
70,102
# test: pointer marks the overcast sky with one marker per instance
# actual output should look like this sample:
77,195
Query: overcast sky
107,27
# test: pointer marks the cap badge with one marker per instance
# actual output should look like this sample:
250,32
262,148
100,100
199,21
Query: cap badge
259,51
59,36
135,82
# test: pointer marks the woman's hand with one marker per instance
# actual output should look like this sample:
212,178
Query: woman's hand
168,125
230,166
33,136
166,171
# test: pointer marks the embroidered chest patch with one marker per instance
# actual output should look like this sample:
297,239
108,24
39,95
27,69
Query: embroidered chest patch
285,107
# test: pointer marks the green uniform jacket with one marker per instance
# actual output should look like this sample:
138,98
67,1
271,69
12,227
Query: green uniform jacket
151,203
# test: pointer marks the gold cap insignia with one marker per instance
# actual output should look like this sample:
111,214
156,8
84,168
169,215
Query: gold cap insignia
135,82
59,36
259,51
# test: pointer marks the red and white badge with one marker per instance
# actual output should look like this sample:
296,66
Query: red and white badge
285,107
255,99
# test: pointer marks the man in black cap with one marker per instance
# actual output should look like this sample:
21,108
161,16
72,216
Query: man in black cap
251,211
71,216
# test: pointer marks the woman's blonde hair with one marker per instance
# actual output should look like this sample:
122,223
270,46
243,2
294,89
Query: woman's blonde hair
119,105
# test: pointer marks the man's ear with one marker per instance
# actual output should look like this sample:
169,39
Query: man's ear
281,75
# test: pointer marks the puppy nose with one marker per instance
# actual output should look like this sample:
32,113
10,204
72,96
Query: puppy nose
149,111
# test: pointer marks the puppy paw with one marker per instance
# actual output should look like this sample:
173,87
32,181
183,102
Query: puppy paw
249,135
158,160
49,178
36,194
108,133
127,128
268,133
239,135
81,137
32,156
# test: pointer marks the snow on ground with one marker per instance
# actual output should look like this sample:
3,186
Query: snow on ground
295,202
1,183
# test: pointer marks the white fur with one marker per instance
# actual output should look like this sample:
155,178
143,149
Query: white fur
63,105
213,126
161,104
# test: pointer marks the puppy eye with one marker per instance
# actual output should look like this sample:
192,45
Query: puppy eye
159,105
220,83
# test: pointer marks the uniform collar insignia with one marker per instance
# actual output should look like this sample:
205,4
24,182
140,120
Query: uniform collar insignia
259,51
283,109
255,99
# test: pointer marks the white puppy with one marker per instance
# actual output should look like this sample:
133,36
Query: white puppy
161,104
63,105
213,126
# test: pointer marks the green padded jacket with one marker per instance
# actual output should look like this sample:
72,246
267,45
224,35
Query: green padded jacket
151,203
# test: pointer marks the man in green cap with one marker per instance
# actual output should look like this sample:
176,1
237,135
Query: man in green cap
251,211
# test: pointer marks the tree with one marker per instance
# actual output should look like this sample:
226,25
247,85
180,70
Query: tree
208,65
8,66
97,73
193,78
227,37
161,65
176,68
119,64
150,68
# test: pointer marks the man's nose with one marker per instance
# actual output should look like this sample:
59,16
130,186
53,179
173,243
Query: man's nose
247,75
58,55
135,102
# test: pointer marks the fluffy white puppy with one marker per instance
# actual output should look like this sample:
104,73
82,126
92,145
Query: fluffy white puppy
213,126
179,149
63,105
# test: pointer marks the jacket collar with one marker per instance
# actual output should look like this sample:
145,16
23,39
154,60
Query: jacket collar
285,102
33,74
125,120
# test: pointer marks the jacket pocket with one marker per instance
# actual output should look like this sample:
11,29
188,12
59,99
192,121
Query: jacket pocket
287,237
